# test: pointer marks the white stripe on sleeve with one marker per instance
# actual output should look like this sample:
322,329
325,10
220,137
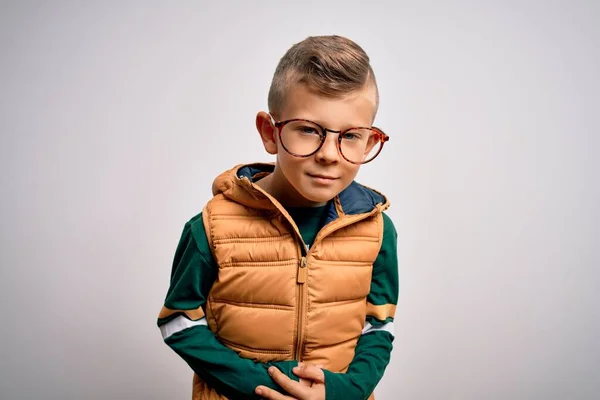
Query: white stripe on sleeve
388,327
178,324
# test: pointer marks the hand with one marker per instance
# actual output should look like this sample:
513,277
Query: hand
299,390
312,374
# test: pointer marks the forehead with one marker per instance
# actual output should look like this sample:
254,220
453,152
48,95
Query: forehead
353,109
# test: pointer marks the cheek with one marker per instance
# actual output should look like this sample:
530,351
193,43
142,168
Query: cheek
290,165
351,172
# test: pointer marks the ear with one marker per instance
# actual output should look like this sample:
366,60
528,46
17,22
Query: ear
267,132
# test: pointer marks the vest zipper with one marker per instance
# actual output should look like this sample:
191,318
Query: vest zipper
302,272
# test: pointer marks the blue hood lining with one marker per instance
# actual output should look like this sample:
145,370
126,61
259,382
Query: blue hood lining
355,199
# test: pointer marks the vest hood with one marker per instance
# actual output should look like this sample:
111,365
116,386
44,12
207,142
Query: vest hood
237,185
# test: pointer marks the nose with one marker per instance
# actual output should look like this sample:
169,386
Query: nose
328,153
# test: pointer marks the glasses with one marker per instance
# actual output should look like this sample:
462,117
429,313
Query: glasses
357,145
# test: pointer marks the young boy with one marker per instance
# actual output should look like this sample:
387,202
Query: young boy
293,263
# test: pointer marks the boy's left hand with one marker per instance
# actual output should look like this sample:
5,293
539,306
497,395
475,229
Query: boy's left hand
300,391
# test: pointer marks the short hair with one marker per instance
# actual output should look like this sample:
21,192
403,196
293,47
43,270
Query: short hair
332,66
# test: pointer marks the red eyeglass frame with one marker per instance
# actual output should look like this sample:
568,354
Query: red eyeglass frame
382,138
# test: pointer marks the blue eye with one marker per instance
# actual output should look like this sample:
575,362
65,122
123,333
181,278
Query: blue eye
351,136
308,130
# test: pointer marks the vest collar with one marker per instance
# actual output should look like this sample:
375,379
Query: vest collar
237,184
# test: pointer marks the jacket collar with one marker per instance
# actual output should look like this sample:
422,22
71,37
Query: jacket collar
237,184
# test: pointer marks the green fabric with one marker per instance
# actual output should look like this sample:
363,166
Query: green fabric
192,276
221,368
371,357
309,220
384,283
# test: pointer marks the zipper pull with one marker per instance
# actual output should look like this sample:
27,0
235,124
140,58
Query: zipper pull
302,270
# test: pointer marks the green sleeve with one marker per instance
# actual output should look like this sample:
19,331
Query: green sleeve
193,273
373,350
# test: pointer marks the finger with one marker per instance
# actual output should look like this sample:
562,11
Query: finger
294,388
310,372
268,393
306,382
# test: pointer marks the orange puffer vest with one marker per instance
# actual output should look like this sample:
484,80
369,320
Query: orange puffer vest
274,299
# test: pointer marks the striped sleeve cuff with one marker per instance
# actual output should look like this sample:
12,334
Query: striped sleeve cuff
381,312
194,314
178,324
387,327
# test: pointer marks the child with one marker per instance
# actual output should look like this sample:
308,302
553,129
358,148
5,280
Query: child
293,261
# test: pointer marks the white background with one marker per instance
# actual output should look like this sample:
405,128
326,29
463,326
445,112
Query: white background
116,116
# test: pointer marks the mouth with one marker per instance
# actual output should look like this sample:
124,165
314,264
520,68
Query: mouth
323,177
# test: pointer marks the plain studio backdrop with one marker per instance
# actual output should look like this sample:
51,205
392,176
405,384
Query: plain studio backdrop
117,116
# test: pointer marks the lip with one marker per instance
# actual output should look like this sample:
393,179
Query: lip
319,176
322,180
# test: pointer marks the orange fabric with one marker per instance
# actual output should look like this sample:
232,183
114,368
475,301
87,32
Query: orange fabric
191,314
258,306
381,312
201,391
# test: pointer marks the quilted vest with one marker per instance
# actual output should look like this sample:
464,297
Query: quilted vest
274,298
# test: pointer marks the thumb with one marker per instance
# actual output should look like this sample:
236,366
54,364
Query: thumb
310,371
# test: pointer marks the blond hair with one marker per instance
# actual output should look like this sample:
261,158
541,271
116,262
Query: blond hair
332,66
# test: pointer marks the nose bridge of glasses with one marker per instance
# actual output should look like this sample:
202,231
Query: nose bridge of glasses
329,146
325,130
335,138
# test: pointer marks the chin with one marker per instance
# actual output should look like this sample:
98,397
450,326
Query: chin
319,196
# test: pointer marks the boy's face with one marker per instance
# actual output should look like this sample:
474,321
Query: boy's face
316,179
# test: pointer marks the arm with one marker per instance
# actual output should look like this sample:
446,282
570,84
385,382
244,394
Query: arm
373,350
184,328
